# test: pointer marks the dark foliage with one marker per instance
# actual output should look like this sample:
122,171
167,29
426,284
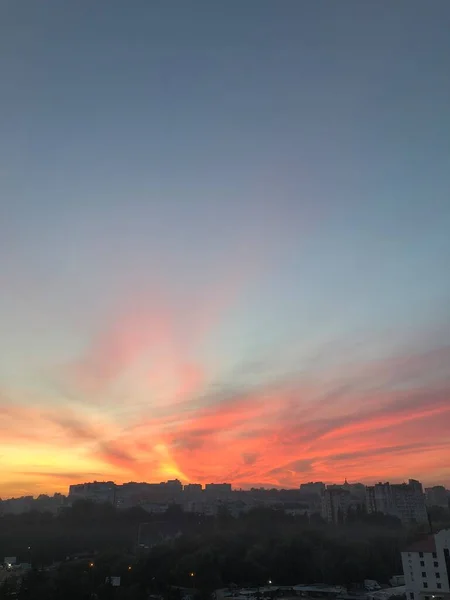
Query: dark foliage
264,544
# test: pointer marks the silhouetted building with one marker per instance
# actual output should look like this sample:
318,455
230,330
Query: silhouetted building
313,487
437,496
218,489
193,488
406,501
335,504
96,491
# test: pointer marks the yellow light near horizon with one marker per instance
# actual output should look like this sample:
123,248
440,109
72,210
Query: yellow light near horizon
171,470
37,469
168,467
34,458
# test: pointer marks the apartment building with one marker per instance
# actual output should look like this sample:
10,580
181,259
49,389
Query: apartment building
313,487
218,490
335,504
437,496
426,567
405,501
96,491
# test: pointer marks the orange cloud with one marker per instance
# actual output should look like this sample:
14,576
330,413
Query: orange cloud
142,406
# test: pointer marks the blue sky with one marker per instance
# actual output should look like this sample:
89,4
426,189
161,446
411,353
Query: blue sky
278,170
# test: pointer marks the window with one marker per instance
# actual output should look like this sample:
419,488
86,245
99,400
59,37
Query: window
424,574
436,564
422,563
421,554
438,575
434,555
425,584
439,586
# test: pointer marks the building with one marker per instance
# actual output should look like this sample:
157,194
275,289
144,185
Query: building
193,488
192,492
218,489
370,499
173,485
318,590
96,491
357,490
426,567
16,505
312,487
335,504
437,496
379,498
406,501
136,493
311,494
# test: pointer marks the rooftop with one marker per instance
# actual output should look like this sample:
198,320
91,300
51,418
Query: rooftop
387,593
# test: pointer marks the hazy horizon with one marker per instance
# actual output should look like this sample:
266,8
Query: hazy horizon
224,242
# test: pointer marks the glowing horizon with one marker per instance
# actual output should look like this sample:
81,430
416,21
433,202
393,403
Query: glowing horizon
109,417
224,244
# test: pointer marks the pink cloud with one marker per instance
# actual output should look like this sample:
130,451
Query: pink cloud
279,433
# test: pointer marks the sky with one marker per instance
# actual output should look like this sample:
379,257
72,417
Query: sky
224,242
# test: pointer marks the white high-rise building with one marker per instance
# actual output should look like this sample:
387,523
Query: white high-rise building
426,566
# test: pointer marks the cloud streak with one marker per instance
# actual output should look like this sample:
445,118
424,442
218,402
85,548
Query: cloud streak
364,421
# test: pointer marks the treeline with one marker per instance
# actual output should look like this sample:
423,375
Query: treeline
251,551
222,558
42,538
259,546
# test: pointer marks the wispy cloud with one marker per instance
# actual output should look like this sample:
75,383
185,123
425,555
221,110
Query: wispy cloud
364,421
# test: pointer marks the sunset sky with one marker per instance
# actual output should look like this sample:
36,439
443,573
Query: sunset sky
224,242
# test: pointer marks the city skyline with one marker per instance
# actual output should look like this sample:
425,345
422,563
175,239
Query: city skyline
187,486
307,487
224,243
